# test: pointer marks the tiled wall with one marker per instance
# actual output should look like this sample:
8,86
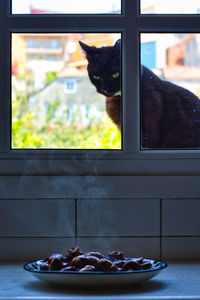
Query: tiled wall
156,228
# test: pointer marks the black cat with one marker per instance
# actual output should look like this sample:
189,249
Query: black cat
104,73
170,115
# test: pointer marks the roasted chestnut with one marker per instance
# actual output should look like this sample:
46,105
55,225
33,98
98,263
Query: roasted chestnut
88,268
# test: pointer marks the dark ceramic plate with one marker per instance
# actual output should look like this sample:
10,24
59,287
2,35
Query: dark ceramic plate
89,279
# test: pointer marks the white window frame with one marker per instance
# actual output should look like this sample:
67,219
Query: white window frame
70,90
146,167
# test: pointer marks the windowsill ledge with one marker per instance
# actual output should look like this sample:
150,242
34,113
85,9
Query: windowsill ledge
180,280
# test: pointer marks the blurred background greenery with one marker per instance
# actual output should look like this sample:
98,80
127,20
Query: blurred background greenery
27,134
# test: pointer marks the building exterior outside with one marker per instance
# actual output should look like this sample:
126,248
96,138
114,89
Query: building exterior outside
170,6
45,53
18,56
74,99
65,7
173,57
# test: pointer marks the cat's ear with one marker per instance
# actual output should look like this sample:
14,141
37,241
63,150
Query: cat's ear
87,49
117,45
117,48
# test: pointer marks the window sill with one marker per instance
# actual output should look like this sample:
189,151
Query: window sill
180,280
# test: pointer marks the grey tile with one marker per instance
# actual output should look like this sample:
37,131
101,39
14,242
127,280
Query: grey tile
132,247
181,217
29,249
37,218
181,248
118,217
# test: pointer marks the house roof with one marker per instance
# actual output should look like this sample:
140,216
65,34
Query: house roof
147,8
71,71
40,11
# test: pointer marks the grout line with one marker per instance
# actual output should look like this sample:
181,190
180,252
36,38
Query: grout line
161,228
99,236
76,220
85,198
118,236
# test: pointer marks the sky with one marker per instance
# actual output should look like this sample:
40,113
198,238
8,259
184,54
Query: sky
64,6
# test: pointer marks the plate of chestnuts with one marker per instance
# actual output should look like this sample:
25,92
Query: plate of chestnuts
79,269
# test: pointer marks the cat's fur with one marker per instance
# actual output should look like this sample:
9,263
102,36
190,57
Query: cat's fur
170,115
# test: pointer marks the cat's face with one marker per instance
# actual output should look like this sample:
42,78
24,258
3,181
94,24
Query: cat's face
104,68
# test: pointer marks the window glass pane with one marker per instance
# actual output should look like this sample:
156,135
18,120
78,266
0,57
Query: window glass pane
56,101
170,7
170,91
66,6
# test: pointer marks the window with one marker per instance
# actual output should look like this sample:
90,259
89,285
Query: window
70,86
175,122
132,25
49,70
65,7
170,7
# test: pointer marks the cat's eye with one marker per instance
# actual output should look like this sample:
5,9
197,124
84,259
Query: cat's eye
115,75
96,77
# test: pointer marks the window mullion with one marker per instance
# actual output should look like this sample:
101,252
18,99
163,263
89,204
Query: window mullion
66,23
168,23
4,80
131,66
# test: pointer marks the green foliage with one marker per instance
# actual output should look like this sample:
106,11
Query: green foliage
23,134
104,137
28,133
50,76
52,107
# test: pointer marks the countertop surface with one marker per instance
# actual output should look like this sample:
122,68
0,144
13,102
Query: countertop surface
180,280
